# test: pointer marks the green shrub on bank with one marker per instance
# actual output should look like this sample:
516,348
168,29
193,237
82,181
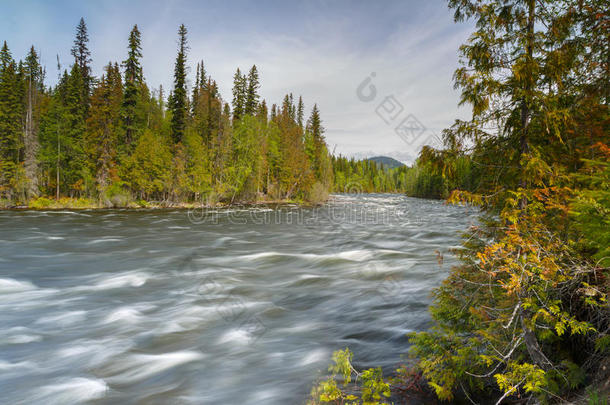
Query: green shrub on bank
370,387
42,202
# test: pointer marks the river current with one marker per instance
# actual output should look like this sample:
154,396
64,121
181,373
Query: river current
228,306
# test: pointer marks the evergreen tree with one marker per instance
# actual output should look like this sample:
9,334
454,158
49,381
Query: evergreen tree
239,95
178,101
315,129
252,96
134,83
82,58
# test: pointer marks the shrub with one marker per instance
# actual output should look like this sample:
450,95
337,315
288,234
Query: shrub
41,202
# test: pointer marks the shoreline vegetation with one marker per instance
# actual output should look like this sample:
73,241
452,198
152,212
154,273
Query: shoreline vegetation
77,204
524,318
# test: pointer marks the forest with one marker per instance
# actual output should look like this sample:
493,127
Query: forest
426,178
112,141
525,317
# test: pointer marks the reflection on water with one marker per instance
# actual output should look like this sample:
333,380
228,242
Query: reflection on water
236,306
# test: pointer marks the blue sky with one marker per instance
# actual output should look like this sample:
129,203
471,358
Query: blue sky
320,49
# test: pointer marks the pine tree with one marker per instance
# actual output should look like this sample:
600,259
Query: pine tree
134,82
315,129
178,101
82,57
314,124
252,96
239,95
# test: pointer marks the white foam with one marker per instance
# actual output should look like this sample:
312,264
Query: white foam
316,356
92,353
309,276
5,366
9,285
356,255
353,255
125,314
124,280
65,319
239,336
20,339
96,241
71,390
138,367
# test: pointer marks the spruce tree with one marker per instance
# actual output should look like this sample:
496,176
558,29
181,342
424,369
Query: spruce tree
252,92
82,58
239,95
179,102
314,125
134,82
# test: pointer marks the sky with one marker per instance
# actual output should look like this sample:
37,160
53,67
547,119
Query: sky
371,66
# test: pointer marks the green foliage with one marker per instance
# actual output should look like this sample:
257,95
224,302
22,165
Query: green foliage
251,103
179,100
526,312
117,195
41,203
596,398
240,89
134,103
147,170
370,388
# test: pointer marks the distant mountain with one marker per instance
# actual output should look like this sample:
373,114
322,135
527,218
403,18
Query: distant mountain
406,157
387,162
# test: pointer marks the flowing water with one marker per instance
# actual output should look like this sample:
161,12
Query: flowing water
230,306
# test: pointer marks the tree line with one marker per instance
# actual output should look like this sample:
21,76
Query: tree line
113,141
432,175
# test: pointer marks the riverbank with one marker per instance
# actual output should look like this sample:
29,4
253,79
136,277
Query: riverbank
43,203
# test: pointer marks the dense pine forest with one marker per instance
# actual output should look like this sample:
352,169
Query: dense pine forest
113,141
525,317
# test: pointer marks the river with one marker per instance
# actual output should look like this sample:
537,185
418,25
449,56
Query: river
228,306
